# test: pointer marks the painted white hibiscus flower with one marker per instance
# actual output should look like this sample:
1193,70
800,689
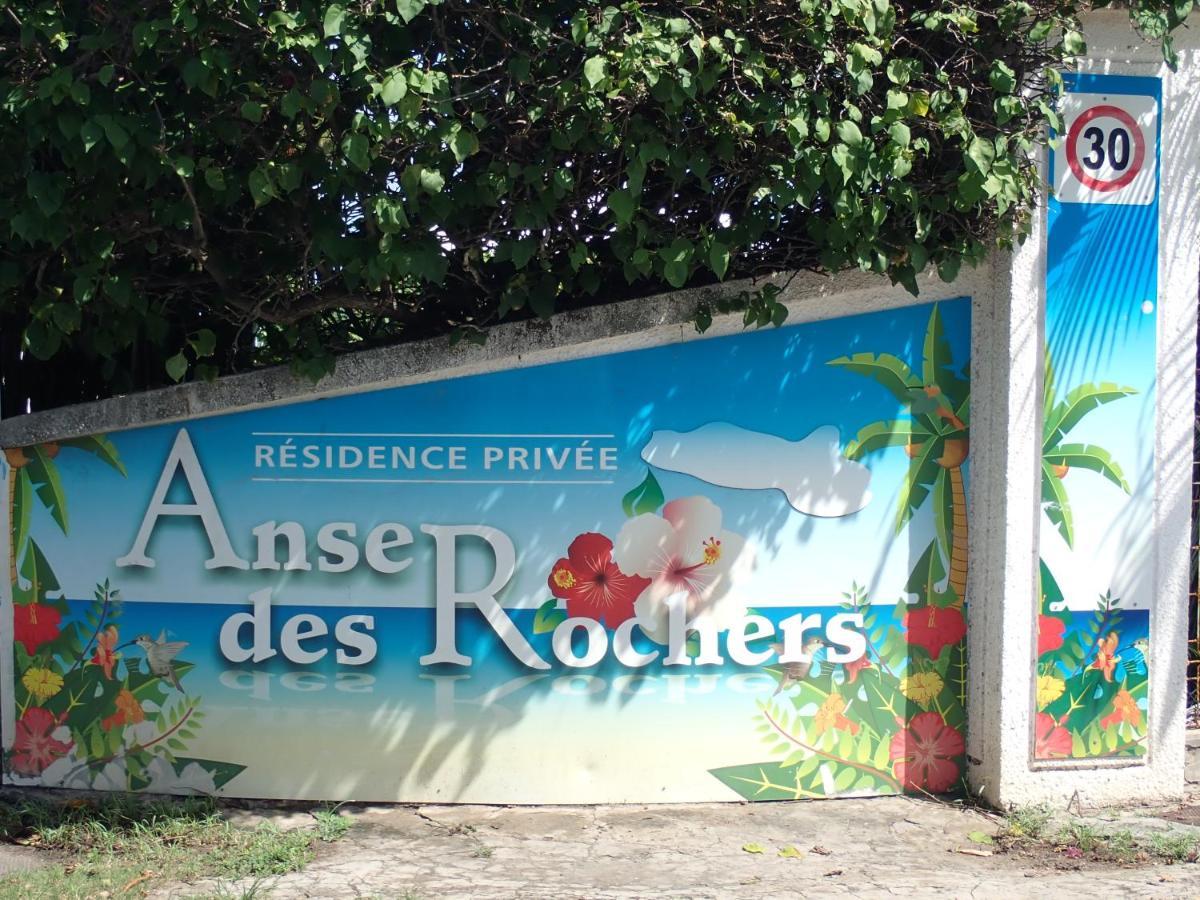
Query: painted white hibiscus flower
685,551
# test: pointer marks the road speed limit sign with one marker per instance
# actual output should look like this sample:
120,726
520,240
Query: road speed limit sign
1109,149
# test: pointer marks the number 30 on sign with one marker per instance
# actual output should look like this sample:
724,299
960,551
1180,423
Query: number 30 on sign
1109,149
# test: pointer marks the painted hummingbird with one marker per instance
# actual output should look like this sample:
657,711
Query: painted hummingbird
160,655
798,671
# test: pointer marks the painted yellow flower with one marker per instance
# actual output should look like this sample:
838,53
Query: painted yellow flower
42,683
921,687
1049,689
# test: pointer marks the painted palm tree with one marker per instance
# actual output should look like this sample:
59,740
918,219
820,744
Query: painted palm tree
934,434
1058,458
32,471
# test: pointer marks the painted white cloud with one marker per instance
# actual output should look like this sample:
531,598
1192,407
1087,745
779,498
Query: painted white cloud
812,473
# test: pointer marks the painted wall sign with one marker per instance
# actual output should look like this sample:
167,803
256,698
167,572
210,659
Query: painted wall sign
1093,655
730,568
1109,151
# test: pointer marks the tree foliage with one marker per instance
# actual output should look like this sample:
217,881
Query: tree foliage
195,186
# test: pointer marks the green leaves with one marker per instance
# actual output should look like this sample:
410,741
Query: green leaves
622,204
463,143
849,133
647,497
394,87
177,366
718,258
357,149
641,148
410,9
677,260
594,71
335,14
548,616
261,189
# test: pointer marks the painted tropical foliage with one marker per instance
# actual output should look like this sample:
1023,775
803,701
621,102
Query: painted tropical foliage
1060,416
933,431
894,720
88,713
1092,667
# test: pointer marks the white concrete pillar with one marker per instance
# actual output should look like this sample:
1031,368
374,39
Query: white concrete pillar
1009,336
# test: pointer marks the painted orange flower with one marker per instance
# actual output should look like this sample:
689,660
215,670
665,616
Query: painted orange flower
1106,655
105,655
129,711
855,666
832,715
1125,709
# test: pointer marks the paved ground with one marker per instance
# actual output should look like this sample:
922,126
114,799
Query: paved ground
850,848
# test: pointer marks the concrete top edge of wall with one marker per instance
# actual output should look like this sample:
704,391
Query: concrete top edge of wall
658,319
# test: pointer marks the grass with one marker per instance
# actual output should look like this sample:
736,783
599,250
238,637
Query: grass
1030,828
1028,822
117,843
331,825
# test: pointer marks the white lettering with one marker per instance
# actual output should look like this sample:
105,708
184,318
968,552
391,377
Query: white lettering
183,456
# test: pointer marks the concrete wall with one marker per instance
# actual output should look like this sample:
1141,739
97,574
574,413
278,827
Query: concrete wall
1008,310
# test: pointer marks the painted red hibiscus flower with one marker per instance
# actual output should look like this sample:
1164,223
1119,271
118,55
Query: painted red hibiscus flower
855,666
1051,740
933,627
35,624
591,583
1049,634
925,754
33,747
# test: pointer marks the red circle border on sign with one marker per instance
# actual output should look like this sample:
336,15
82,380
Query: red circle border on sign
1139,154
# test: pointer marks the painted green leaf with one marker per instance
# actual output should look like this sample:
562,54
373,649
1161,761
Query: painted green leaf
943,512
889,371
647,497
22,504
880,435
35,569
43,475
222,772
937,364
922,472
1056,504
1090,457
927,573
1078,403
548,616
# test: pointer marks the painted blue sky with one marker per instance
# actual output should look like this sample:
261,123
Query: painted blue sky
774,381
